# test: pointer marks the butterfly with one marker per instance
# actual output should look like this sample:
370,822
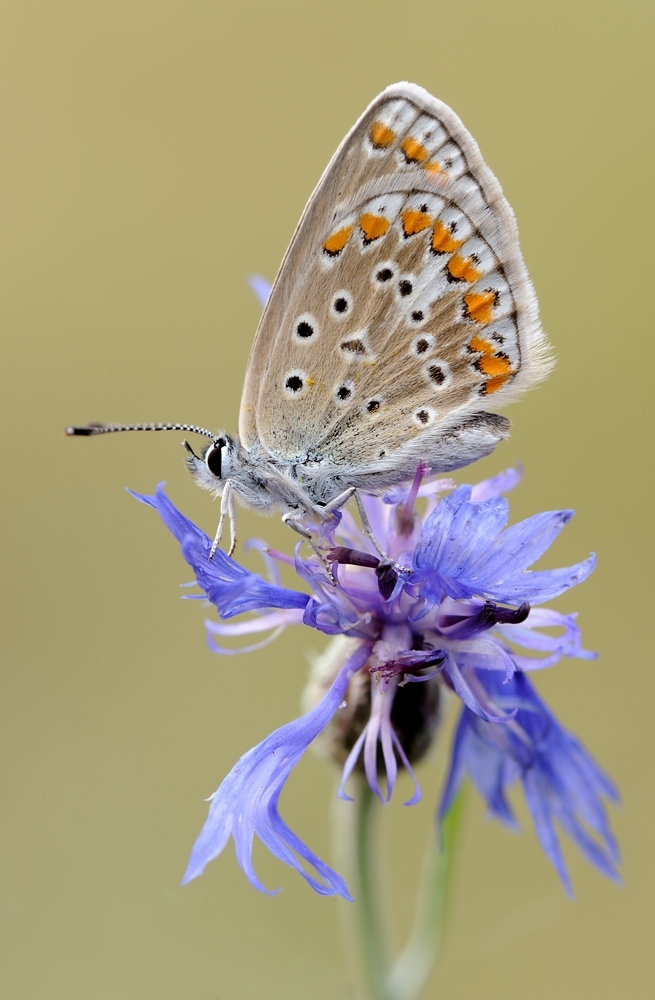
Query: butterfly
401,319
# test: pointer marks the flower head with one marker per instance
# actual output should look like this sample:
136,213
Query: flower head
446,609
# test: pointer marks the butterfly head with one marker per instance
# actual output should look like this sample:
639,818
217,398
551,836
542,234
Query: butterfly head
213,466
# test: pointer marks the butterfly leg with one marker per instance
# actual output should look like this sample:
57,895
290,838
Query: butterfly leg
231,513
227,510
388,567
292,520
368,530
341,500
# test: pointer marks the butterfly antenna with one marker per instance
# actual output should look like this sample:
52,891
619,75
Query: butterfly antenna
90,430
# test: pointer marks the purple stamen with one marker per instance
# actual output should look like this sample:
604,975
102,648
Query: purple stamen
409,662
384,569
352,557
490,614
280,557
419,475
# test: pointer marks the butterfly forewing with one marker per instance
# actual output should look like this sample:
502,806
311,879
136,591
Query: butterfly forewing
402,303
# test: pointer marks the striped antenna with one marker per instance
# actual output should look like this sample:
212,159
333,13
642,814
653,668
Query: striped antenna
89,430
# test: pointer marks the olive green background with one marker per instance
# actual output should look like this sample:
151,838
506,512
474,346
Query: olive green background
152,155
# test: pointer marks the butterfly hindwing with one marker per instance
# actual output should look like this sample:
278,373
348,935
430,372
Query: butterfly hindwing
402,305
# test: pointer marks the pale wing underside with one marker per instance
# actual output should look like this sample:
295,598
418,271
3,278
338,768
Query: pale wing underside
402,304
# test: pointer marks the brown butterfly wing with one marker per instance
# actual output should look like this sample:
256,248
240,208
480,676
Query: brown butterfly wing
402,306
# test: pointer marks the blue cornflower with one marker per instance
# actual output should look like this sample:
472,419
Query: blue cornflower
445,611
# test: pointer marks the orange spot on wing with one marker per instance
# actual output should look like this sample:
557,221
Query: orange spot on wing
381,136
498,367
335,243
373,226
443,240
494,384
480,345
433,167
414,151
463,268
415,221
478,306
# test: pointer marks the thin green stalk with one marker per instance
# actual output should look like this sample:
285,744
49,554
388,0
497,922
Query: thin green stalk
366,919
356,841
413,966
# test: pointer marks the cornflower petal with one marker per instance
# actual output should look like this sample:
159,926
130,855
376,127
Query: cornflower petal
371,750
230,587
261,287
501,483
568,643
544,585
456,534
522,544
416,797
379,728
485,654
560,780
464,552
272,567
349,766
276,620
468,697
246,803
399,494
233,593
227,651
386,735
262,623
331,619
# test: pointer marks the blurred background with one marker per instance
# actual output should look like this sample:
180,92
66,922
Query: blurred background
149,164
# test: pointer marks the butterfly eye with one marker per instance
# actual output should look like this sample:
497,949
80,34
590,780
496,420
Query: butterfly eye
214,457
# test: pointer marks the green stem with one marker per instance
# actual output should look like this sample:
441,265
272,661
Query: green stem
413,966
356,841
